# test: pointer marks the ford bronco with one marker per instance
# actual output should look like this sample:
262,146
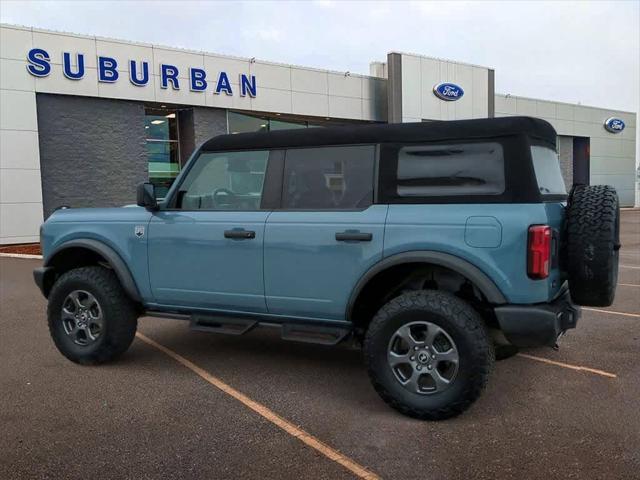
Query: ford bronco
428,244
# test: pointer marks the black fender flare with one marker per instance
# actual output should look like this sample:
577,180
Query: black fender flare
476,276
110,255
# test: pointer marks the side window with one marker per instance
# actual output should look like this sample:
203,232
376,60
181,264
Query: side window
225,181
322,178
456,169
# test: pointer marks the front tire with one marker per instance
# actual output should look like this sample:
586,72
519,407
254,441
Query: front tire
429,354
91,319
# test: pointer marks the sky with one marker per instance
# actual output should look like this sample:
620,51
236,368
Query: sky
586,52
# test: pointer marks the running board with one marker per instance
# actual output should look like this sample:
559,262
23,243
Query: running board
322,334
228,325
291,329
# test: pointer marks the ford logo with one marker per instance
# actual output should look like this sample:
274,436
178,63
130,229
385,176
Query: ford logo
448,91
614,125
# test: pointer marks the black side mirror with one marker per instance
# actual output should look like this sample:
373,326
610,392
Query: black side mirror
146,194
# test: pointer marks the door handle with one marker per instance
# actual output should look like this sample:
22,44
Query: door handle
240,234
353,236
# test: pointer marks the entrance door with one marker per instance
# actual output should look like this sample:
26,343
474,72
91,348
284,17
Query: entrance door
208,251
581,160
327,233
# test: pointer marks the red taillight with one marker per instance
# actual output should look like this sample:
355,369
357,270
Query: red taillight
539,251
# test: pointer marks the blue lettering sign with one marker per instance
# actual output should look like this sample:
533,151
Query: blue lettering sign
197,80
247,85
223,84
169,73
39,65
66,66
107,70
133,73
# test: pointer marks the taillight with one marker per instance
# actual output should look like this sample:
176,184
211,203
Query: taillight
539,251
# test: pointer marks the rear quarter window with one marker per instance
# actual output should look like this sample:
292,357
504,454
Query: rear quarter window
450,170
547,169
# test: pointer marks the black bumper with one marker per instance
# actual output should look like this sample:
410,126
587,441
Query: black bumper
539,324
44,277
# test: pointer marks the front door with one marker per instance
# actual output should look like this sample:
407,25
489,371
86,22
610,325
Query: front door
327,233
207,251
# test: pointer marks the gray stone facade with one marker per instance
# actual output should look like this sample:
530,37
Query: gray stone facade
208,122
565,154
92,151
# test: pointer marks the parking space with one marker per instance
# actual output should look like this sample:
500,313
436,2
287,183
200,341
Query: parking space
148,416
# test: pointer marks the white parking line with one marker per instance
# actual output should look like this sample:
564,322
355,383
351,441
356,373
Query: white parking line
568,365
628,285
629,266
306,438
612,312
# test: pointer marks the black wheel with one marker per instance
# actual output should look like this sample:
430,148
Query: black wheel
593,244
91,320
428,354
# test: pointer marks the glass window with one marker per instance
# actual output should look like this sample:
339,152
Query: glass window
329,177
547,168
161,130
240,123
440,170
225,181
283,125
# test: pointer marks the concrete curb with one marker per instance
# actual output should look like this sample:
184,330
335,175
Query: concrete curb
20,255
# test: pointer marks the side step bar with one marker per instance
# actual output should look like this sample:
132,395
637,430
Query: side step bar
228,325
309,332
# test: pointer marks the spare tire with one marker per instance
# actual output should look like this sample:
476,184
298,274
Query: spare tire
593,244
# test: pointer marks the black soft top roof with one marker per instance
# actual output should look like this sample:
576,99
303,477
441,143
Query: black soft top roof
387,133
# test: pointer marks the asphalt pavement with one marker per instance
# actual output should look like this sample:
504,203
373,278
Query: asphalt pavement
571,413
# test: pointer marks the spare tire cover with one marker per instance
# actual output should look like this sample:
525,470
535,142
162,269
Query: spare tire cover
593,244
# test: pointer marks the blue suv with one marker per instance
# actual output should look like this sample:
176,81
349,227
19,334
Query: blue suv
432,245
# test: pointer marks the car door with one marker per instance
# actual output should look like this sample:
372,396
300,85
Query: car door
207,251
326,234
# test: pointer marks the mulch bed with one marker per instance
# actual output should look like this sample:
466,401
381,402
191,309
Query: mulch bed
25,249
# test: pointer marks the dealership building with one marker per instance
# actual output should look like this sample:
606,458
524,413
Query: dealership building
85,119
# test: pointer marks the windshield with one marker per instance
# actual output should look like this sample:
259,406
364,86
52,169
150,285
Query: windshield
547,168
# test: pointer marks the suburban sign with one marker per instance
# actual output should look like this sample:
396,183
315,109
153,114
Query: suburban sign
73,68
448,91
614,125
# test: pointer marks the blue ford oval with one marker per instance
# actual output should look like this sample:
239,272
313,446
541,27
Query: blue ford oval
614,125
448,91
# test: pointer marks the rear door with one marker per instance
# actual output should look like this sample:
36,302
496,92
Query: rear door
326,234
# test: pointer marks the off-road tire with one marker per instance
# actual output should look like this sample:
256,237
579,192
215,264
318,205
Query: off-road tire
120,315
593,244
461,322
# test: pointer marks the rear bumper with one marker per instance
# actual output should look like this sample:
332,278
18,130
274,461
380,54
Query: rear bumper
540,324
44,277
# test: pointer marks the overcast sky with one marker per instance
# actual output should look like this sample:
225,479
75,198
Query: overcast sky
584,52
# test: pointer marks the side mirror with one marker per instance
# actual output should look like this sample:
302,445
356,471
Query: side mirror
146,194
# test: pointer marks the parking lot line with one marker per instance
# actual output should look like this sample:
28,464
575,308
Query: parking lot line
613,312
270,415
568,365
630,266
628,285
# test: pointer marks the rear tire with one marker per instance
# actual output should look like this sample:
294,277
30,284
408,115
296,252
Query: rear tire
593,243
412,388
91,319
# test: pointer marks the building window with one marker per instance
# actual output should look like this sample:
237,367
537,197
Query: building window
161,131
242,123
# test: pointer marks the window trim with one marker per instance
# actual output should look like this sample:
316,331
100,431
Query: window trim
374,179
